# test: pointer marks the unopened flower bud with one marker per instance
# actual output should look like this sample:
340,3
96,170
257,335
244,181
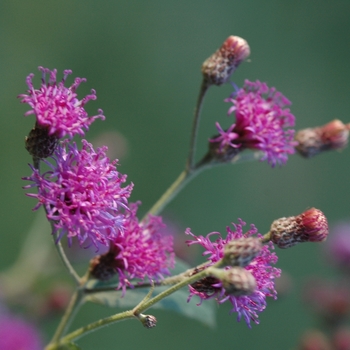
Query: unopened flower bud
39,143
240,252
310,226
218,68
237,281
148,321
332,136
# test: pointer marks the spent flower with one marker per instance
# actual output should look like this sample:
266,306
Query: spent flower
260,268
82,194
262,119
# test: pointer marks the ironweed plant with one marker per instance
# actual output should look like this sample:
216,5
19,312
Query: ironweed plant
86,201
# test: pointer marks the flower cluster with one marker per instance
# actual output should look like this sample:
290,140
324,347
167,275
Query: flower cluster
261,119
142,251
57,107
82,194
260,267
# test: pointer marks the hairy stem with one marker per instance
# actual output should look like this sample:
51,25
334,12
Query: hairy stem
68,316
144,305
196,119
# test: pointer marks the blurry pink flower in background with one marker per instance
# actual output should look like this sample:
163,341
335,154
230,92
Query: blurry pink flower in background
338,248
18,334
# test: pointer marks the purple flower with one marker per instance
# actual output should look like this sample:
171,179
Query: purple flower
82,194
261,119
142,251
260,267
17,334
57,107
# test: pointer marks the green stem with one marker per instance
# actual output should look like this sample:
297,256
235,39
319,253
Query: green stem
58,245
90,328
171,192
191,157
67,263
177,286
67,318
131,313
266,238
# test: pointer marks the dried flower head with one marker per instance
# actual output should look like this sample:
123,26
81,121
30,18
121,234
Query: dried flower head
332,136
261,122
142,251
309,226
260,268
82,194
218,68
57,107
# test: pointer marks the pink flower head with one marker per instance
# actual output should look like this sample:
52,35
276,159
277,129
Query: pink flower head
260,267
142,251
57,107
17,334
82,194
261,119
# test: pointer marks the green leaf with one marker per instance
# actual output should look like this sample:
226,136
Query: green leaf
177,301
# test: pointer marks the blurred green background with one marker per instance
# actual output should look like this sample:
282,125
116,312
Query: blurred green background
144,58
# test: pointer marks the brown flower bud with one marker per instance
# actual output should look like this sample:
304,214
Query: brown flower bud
148,321
39,143
310,226
218,68
240,252
238,281
332,136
